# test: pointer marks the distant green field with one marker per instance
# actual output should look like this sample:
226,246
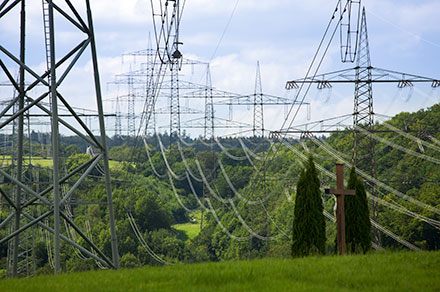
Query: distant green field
192,228
404,271
43,162
47,162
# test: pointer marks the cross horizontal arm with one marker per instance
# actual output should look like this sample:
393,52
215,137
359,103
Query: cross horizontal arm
340,192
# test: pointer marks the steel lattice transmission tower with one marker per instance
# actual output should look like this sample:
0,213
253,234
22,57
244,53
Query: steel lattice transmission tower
174,102
258,125
118,122
209,107
363,75
363,115
29,205
131,115
150,126
166,20
138,85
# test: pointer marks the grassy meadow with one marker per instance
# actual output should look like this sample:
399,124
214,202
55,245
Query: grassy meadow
6,160
192,228
387,271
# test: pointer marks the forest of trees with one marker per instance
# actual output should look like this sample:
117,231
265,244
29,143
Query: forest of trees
256,214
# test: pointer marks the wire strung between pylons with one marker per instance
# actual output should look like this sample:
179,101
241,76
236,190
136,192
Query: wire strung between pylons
179,147
383,230
336,155
312,64
178,197
394,236
70,233
214,213
375,224
49,247
144,244
225,150
307,76
396,207
150,160
162,150
252,232
226,176
237,194
433,139
234,190
153,90
398,147
403,210
249,151
410,137
89,234
198,166
230,201
229,155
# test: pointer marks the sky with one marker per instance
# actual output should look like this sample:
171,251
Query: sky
283,35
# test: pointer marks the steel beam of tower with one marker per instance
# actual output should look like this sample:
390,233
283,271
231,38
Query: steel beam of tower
55,140
104,149
19,172
25,200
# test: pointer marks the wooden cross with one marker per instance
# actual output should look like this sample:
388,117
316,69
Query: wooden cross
340,192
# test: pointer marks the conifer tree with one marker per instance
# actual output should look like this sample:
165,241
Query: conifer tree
308,223
357,219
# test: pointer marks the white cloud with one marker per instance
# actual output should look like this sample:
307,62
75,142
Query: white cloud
114,12
281,34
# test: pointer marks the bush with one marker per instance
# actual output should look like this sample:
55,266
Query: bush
308,232
357,219
129,261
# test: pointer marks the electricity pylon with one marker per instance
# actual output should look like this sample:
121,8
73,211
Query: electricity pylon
51,201
258,122
363,76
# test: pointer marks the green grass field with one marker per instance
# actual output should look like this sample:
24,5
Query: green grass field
43,162
47,162
191,229
404,271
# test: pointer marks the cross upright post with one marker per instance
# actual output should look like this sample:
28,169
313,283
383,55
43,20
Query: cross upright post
340,192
